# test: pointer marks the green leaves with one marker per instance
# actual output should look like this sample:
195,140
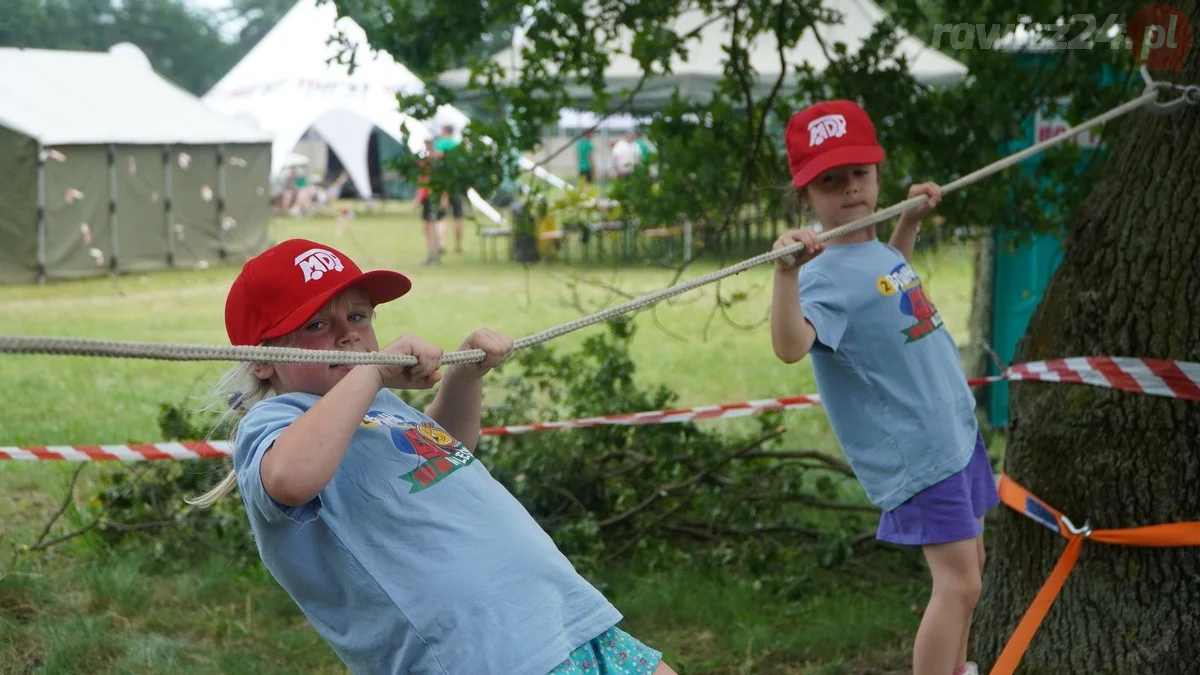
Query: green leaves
610,492
721,153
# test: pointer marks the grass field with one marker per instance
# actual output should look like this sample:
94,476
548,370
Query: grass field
80,608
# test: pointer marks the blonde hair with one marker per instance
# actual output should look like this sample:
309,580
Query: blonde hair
234,394
238,390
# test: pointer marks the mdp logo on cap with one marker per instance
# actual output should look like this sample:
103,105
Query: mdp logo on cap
315,262
1161,35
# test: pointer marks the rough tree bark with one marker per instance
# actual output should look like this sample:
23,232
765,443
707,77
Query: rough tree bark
1129,285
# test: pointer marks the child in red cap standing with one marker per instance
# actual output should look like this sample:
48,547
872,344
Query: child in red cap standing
887,369
395,542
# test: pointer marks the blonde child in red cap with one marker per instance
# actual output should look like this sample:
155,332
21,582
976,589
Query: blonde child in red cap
887,369
394,541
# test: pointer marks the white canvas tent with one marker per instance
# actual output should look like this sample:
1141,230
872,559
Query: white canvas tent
569,118
290,82
107,167
697,77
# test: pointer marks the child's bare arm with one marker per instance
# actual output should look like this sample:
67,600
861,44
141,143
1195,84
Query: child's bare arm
792,336
308,453
904,239
457,408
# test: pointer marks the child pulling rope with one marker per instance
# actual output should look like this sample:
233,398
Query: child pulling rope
887,370
401,549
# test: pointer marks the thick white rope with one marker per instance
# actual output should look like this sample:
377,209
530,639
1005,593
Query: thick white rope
175,352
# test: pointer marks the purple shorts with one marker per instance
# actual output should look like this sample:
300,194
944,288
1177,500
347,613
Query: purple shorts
947,511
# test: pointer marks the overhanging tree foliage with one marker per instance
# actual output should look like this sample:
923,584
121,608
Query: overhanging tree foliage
732,161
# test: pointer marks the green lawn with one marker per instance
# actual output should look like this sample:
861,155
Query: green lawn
78,608
67,400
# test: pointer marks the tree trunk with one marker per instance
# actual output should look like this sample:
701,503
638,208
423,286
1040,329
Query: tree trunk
976,359
1129,285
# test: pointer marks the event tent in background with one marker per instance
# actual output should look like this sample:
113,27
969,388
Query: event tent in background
294,80
697,77
108,167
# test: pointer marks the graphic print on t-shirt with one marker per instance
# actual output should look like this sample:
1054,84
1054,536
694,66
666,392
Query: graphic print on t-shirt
442,454
913,301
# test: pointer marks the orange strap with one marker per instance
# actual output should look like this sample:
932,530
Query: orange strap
1021,500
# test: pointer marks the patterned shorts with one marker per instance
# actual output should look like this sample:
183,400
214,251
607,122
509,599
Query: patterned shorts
613,652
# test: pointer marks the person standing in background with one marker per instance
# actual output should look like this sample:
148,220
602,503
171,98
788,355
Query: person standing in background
585,149
431,211
625,155
645,148
454,202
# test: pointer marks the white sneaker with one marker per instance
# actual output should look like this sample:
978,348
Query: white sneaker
972,669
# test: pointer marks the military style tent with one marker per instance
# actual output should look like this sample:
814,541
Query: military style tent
107,167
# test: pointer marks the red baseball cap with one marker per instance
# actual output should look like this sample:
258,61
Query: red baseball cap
829,134
283,287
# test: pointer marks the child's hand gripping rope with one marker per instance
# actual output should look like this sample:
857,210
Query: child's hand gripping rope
423,375
812,248
931,190
497,348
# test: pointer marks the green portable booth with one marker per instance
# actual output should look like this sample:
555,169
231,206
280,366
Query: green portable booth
106,167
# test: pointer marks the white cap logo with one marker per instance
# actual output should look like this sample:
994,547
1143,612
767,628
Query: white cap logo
824,128
316,262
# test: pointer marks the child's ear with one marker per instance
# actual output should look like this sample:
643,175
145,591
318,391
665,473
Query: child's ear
264,371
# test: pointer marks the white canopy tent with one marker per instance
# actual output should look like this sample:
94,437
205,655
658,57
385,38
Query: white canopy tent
292,81
697,77
569,118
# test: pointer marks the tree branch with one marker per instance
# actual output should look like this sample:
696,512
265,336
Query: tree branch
690,482
640,536
713,531
40,545
565,493
628,101
831,462
814,502
577,304
741,326
62,508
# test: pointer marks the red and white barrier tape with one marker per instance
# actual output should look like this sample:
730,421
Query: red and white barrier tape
1175,379
127,453
705,412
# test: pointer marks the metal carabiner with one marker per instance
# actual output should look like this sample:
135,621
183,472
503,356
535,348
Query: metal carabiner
1086,530
1190,94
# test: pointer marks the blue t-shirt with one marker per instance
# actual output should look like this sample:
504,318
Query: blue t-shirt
888,371
413,559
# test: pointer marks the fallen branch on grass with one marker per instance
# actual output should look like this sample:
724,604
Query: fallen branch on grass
812,502
691,482
714,531
61,509
42,543
832,463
